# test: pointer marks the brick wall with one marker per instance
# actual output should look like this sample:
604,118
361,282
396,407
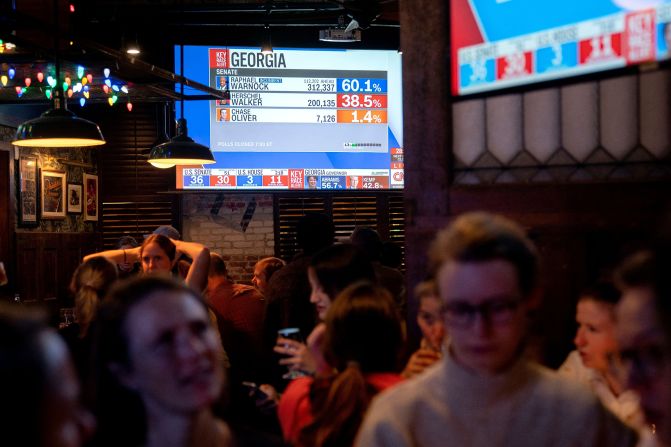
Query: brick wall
239,227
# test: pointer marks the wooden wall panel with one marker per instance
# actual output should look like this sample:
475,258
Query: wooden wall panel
45,264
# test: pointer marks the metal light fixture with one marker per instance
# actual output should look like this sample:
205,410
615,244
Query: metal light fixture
58,127
267,46
133,49
180,150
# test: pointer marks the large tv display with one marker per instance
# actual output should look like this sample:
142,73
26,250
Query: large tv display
505,43
296,119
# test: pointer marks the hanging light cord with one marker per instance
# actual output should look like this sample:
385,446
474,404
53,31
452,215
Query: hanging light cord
57,60
181,74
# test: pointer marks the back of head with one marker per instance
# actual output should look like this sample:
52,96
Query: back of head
340,265
126,242
162,241
363,335
271,265
168,231
482,237
23,374
314,231
391,254
217,266
90,283
368,241
363,326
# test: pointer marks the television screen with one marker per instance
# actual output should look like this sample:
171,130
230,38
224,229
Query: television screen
295,119
505,43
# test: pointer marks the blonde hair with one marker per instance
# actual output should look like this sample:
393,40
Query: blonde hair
481,237
90,283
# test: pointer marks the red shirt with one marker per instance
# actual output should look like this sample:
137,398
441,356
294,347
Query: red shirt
295,410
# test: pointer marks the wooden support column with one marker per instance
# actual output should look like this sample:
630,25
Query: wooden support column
427,132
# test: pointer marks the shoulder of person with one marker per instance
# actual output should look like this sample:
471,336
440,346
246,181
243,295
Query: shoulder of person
577,409
388,421
402,399
244,289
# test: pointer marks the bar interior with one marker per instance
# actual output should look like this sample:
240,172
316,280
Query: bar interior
305,223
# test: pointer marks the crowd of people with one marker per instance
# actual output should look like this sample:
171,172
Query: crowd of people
167,350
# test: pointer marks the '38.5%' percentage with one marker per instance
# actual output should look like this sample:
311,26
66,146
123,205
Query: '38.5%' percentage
362,101
362,116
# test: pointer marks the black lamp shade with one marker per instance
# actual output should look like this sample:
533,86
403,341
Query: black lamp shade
58,128
180,150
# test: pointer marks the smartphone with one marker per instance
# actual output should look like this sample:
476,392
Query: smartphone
254,391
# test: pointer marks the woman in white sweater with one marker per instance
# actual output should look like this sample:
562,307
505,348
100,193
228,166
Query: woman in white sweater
595,344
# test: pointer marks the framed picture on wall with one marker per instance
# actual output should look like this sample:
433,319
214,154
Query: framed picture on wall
74,198
90,203
53,194
28,191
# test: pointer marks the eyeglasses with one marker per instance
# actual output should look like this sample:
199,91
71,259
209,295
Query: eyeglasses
639,364
462,315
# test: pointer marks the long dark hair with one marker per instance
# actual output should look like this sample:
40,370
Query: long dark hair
340,265
363,335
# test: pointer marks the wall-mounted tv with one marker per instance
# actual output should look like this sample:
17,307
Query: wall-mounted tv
505,43
296,119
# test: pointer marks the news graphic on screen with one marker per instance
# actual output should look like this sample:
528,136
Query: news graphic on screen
505,43
296,119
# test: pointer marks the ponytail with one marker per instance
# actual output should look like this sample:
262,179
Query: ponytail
338,409
86,307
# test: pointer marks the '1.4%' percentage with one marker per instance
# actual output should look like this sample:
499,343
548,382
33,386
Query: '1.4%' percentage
362,116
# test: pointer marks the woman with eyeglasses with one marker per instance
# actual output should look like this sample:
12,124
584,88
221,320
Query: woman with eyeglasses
591,363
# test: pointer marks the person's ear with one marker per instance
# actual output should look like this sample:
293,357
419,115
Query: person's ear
123,374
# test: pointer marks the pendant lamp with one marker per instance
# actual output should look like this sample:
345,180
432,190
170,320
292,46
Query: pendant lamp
180,150
58,127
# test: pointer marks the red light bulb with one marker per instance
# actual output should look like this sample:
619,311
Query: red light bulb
27,80
40,76
129,106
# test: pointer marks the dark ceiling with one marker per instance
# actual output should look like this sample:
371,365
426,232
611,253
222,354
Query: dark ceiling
96,33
